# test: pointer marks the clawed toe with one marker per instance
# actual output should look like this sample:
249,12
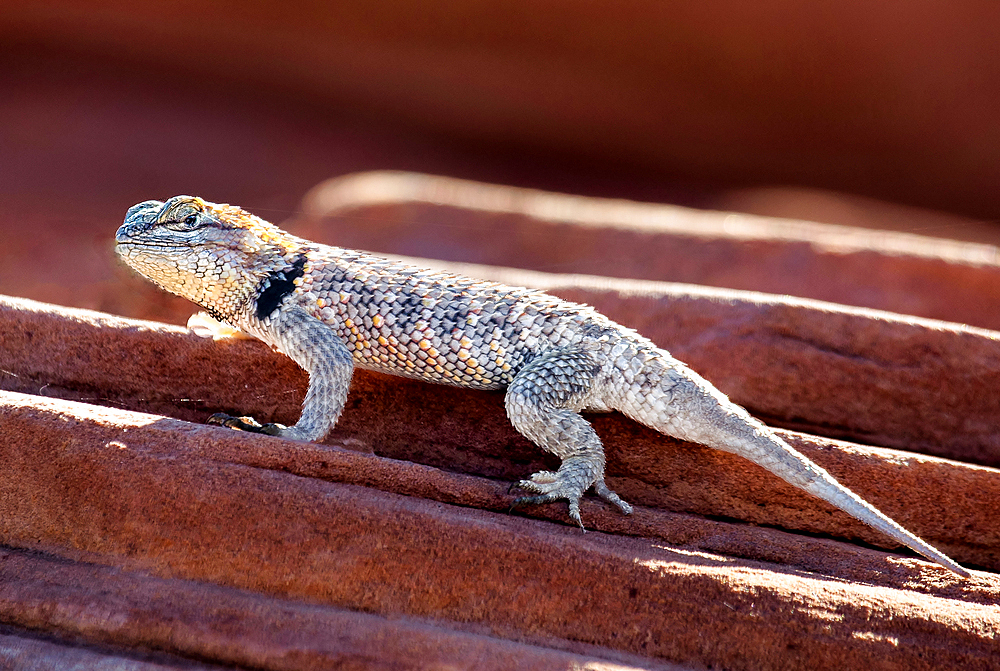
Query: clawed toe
245,424
609,496
543,493
547,487
533,500
574,505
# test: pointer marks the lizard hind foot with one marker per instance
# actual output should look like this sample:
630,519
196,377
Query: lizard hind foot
548,487
246,424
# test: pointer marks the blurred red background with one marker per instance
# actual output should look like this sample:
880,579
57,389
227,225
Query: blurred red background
713,103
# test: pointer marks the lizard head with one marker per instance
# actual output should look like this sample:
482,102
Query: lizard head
215,255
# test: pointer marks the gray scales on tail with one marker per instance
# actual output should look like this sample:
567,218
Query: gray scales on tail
330,309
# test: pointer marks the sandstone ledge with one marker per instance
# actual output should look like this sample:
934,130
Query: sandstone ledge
107,613
361,526
194,503
464,221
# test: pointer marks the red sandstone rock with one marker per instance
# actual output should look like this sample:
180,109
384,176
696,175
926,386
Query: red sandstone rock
27,650
113,611
383,519
353,529
63,352
166,499
127,533
457,220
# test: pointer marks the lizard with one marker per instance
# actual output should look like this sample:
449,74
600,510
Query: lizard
330,309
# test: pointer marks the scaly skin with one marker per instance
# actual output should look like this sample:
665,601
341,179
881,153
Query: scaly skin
331,309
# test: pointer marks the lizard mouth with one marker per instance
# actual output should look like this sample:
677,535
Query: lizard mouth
131,250
145,243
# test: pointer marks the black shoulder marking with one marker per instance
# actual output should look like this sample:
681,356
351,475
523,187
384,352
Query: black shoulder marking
277,285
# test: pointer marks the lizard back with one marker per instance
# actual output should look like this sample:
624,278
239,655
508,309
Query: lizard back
434,325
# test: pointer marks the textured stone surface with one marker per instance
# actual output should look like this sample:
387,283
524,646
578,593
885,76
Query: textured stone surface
457,220
136,541
393,541
361,525
174,373
174,503
26,649
118,611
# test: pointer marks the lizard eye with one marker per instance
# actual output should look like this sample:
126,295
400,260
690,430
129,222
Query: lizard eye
191,222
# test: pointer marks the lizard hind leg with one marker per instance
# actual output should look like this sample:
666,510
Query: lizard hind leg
542,403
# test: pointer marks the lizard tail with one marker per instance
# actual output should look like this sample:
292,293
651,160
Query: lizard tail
692,409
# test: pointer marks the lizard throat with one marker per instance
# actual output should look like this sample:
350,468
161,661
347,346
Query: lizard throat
277,285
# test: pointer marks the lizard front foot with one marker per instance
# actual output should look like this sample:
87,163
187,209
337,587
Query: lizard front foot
548,487
246,424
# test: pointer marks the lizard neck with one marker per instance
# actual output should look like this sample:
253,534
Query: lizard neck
276,286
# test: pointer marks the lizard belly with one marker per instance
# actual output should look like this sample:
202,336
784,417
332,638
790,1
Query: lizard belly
452,359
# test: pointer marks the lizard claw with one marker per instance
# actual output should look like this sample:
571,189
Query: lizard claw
245,424
612,498
574,505
548,487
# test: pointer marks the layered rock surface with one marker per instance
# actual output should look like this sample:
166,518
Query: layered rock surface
134,535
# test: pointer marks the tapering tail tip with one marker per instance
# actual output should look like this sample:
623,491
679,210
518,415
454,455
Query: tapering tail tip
928,551
944,560
955,568
824,486
781,459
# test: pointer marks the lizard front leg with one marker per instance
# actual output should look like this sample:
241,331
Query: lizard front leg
313,345
542,403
